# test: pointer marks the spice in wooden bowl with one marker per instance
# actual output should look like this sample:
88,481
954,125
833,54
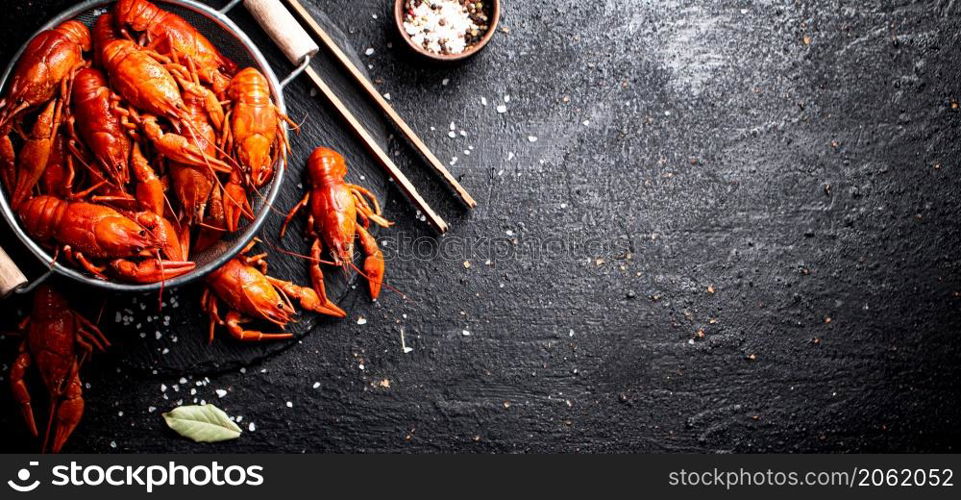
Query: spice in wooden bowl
447,29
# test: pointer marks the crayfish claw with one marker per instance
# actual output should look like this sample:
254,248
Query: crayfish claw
238,332
309,299
236,205
20,392
374,263
69,412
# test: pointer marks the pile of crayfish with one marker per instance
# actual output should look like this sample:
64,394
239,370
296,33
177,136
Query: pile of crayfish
128,147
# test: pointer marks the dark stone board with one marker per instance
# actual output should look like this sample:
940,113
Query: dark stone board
783,177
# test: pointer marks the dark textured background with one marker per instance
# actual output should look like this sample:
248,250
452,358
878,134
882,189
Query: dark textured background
782,176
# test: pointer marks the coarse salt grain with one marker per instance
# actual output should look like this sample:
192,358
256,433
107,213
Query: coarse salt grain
441,26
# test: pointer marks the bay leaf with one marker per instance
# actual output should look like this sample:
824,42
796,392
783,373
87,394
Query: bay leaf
202,424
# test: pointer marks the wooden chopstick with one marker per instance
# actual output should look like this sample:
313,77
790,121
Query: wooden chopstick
382,103
435,220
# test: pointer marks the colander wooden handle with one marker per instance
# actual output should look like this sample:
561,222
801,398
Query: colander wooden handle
280,24
10,276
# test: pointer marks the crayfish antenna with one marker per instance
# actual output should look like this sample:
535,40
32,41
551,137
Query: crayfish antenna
163,283
385,285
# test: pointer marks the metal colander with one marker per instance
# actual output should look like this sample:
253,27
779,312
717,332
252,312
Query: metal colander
233,43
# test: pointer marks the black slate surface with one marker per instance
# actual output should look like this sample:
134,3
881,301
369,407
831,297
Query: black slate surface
736,231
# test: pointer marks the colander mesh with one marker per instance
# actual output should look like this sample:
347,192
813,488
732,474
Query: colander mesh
234,48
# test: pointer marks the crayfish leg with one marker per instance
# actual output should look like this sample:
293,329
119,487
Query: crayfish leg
259,261
208,302
293,213
374,263
20,392
368,206
91,333
86,264
234,321
9,113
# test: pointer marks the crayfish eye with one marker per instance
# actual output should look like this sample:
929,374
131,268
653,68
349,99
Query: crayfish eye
143,232
137,249
280,305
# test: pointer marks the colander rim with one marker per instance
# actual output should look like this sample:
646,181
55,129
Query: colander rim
251,229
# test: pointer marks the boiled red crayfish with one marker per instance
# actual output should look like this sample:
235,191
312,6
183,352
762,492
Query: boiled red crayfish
45,69
254,133
57,340
334,209
100,121
170,35
191,183
88,232
143,79
35,154
250,294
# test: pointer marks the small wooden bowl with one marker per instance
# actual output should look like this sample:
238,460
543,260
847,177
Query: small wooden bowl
495,16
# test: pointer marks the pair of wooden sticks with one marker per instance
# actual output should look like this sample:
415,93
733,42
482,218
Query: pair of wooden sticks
402,181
